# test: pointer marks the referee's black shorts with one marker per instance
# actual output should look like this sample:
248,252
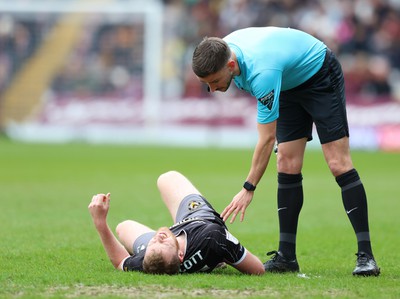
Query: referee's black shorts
320,100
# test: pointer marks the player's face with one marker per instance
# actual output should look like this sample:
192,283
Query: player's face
219,81
165,241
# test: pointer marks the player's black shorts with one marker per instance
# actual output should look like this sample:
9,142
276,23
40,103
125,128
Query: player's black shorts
320,100
195,205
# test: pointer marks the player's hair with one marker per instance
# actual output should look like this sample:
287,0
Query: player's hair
210,56
157,263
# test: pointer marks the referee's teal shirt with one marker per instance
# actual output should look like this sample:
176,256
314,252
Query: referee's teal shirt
272,59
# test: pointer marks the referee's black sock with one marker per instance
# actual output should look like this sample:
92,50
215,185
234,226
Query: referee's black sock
355,204
290,202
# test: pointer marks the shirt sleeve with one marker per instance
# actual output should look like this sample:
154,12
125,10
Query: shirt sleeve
134,262
266,87
238,252
228,246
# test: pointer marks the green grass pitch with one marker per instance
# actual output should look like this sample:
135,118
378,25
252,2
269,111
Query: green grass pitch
50,249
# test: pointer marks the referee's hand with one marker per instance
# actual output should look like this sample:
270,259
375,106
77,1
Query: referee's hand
238,204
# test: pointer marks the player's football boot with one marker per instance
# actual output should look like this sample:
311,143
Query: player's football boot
279,264
366,265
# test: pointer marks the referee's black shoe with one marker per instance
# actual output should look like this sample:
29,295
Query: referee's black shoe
279,264
366,265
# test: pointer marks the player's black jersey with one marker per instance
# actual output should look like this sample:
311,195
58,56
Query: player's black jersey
208,243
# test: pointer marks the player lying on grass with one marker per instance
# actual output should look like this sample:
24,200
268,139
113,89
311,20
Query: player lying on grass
197,242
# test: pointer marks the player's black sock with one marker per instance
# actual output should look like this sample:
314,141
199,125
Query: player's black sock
290,202
355,204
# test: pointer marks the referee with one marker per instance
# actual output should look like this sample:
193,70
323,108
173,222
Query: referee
297,82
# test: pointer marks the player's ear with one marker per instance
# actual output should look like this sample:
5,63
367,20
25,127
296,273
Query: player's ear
181,255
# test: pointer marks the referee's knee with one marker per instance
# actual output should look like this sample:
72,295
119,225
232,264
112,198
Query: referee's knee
289,165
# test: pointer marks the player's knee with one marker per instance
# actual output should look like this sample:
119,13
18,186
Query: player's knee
166,177
121,228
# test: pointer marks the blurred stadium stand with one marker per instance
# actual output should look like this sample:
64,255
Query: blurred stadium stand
120,70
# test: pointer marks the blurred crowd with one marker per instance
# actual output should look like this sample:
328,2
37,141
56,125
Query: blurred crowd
365,35
18,40
107,63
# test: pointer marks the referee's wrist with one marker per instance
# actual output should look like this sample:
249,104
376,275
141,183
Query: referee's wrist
249,186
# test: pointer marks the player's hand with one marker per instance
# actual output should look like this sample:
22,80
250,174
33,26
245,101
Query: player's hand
238,204
99,207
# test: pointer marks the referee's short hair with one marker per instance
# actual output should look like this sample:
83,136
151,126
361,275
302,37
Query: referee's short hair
210,56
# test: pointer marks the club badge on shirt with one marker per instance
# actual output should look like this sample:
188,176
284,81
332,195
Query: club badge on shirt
194,205
268,100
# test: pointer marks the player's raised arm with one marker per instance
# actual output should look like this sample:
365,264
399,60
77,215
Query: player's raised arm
98,209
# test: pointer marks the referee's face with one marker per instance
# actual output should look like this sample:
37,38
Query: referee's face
219,81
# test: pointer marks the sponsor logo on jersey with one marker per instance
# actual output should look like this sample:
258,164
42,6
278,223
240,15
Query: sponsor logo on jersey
268,100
